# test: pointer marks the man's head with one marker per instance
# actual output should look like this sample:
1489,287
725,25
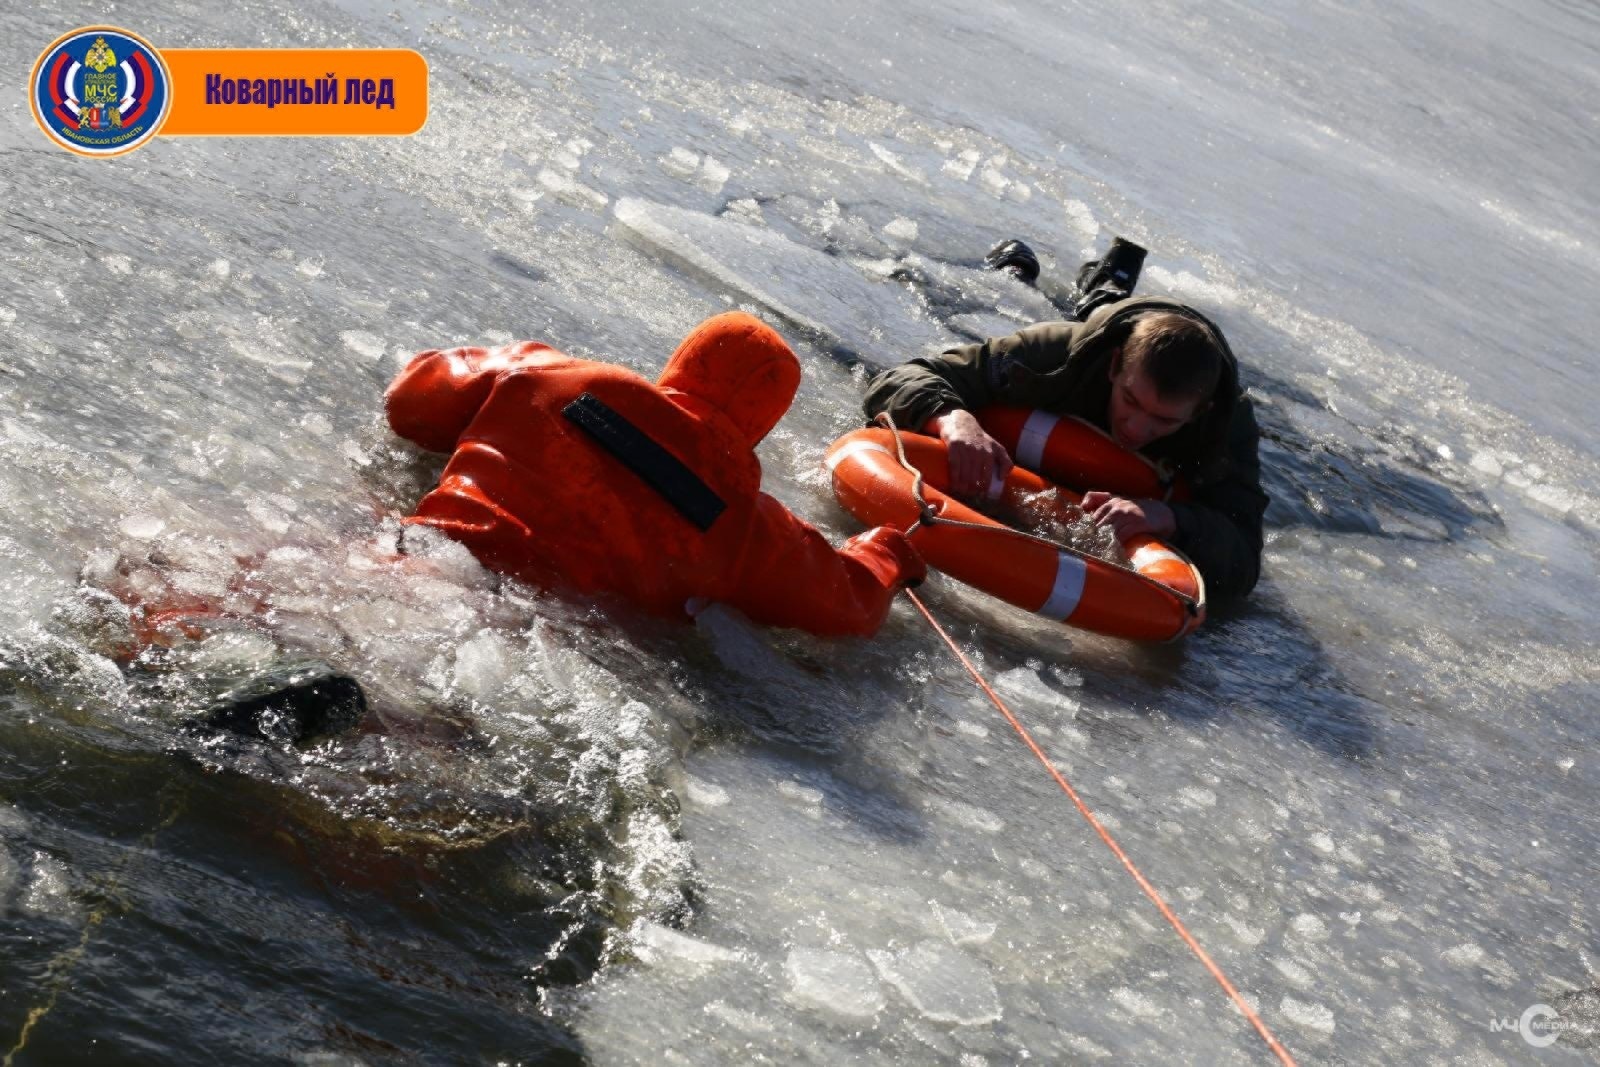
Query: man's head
1162,378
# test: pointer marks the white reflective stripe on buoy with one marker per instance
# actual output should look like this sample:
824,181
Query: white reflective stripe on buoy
1068,590
851,449
1150,554
1035,432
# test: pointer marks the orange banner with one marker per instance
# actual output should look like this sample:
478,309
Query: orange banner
296,92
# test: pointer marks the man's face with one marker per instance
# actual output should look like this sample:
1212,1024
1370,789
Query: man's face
1139,414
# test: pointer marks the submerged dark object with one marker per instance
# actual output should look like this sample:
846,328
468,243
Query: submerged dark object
288,706
1016,259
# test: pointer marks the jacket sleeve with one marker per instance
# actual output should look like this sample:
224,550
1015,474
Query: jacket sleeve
791,576
968,377
1221,528
434,399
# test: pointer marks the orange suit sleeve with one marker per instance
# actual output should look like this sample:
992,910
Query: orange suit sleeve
433,401
791,576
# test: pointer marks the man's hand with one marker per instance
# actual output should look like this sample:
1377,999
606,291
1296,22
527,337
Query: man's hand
977,461
1129,518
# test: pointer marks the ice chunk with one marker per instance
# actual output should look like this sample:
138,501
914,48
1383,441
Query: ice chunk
1082,218
1311,1016
1464,955
967,815
744,1020
367,345
1486,463
894,163
1024,684
142,527
838,982
901,229
808,797
681,163
1295,973
943,983
963,165
658,944
1309,927
746,211
703,793
962,929
1250,935
713,176
483,666
571,192
48,893
992,180
818,294
1136,1003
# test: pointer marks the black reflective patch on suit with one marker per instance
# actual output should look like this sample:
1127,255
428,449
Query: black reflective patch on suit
660,469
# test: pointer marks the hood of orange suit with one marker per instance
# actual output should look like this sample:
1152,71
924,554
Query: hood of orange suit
738,365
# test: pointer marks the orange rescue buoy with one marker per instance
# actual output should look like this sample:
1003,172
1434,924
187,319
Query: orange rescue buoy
1069,451
1161,598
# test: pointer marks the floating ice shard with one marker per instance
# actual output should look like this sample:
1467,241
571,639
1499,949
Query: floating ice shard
824,296
839,982
363,343
962,929
1311,1016
48,893
943,983
657,944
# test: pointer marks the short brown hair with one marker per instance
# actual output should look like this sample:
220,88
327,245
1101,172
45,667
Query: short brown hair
1180,354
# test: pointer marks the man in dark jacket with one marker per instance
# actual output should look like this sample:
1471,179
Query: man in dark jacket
1155,374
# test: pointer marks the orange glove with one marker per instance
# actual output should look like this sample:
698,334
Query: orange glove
891,556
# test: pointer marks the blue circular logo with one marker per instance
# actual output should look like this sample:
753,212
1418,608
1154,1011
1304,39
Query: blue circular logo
101,91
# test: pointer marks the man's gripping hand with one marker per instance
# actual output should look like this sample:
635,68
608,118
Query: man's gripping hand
978,462
1129,518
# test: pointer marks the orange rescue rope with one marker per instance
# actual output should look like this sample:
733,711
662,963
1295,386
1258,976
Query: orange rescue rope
1083,809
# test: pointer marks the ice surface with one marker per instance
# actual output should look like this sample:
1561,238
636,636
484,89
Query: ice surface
837,982
943,983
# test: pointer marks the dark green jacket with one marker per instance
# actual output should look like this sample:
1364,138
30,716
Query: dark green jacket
1064,368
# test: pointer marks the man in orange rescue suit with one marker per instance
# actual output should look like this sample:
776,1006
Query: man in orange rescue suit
576,474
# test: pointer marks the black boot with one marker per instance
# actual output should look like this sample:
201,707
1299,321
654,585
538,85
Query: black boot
1016,259
1112,276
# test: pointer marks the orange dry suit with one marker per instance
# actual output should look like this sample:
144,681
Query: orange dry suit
573,473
